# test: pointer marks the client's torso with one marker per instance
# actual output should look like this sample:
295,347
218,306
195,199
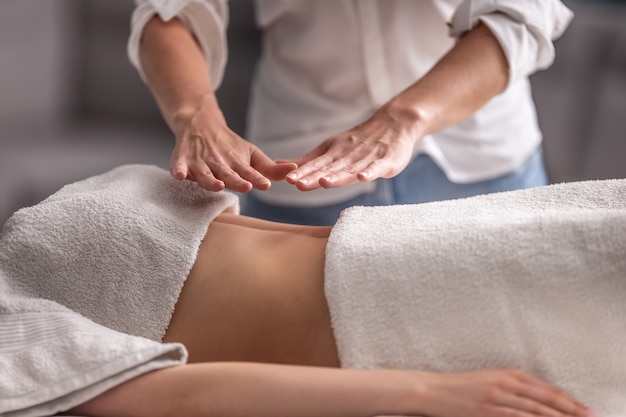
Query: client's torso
256,293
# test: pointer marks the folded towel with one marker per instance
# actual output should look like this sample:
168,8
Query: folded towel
52,359
532,279
88,282
115,248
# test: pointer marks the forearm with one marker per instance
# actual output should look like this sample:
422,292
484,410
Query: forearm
176,70
469,75
207,150
245,389
274,391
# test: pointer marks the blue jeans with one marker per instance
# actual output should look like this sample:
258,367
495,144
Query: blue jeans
422,181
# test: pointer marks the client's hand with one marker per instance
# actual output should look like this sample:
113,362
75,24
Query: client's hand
495,393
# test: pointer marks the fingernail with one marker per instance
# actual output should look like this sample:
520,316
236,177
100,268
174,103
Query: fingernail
327,179
365,174
292,176
304,181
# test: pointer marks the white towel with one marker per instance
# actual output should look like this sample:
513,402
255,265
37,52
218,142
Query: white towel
52,359
115,247
88,282
532,279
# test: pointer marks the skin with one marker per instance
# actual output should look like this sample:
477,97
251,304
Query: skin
209,152
261,344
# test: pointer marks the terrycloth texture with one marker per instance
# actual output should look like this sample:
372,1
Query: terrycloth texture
532,279
114,250
52,359
115,247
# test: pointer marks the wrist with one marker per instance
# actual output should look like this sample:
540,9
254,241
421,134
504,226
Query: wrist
408,116
193,105
406,391
187,115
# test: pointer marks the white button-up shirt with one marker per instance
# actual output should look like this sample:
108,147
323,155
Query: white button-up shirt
327,65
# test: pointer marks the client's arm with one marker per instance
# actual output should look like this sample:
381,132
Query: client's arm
247,389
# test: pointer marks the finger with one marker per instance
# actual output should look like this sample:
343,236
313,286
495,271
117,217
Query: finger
350,167
179,171
211,175
345,176
539,390
529,406
338,179
309,168
253,171
280,171
274,170
242,176
205,178
336,171
338,167
178,166
310,162
345,164
231,179
380,168
182,162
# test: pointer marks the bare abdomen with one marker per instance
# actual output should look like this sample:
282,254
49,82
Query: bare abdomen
256,295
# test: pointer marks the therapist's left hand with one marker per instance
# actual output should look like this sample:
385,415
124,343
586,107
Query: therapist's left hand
380,147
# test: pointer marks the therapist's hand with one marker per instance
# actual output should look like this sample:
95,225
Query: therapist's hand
468,76
209,152
206,150
380,147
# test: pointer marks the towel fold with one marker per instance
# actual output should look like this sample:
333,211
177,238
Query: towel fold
89,279
52,359
115,247
532,279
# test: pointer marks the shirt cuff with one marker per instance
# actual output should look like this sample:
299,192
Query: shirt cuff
207,21
525,30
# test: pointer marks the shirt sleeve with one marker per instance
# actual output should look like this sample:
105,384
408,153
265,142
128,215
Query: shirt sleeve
206,19
525,29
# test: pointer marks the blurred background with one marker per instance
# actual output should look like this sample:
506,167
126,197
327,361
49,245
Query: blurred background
72,106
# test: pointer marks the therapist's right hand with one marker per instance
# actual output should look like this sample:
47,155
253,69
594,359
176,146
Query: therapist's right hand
209,152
